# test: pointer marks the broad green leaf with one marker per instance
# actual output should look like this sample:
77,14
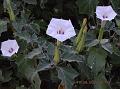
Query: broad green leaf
26,70
50,48
93,43
35,27
96,59
42,24
18,25
25,35
84,70
108,47
114,59
109,26
25,67
68,54
23,46
36,80
116,4
43,65
3,26
34,52
6,76
87,6
24,30
101,82
104,41
34,2
91,38
67,75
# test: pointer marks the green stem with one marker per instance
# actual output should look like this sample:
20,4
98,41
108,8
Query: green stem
100,34
56,53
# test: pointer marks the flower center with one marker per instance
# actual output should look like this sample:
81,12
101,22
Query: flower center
60,32
10,50
104,16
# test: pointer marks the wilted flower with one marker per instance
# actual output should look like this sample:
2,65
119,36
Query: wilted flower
60,29
105,13
9,48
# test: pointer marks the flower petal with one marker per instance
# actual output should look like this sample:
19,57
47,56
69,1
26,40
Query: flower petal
7,45
106,11
7,54
60,25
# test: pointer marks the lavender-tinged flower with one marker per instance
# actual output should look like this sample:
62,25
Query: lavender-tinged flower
60,29
9,48
105,13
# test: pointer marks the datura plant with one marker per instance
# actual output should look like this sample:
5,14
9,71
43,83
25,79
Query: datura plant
59,44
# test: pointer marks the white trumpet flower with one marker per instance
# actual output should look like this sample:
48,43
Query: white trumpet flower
105,13
9,48
60,29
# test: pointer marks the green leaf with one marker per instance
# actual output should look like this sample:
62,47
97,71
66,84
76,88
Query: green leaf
18,25
68,54
87,6
93,43
26,70
108,47
67,75
3,26
42,24
6,76
35,27
114,59
84,70
116,4
35,52
96,59
43,65
34,2
36,80
101,82
109,26
27,36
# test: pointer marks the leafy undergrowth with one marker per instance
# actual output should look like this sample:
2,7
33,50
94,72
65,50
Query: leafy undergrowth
96,66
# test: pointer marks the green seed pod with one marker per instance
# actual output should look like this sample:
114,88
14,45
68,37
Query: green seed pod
80,45
7,5
78,38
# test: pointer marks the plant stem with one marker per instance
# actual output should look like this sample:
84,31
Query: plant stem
100,34
56,53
